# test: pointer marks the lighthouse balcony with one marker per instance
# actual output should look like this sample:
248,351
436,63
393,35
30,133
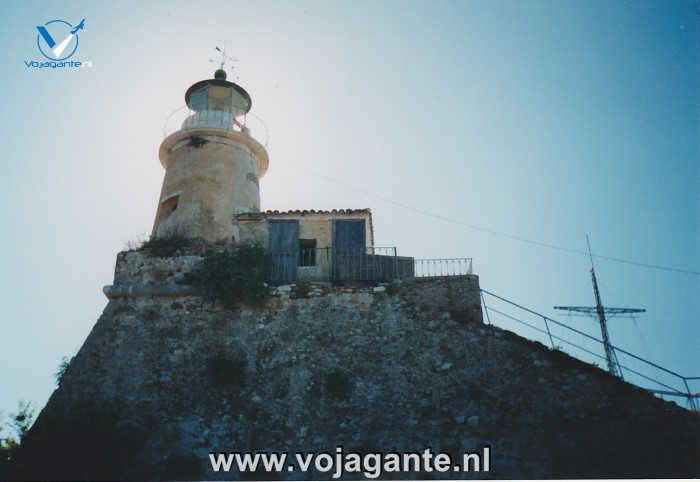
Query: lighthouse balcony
187,119
217,119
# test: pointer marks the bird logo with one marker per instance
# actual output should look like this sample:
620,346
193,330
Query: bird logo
62,30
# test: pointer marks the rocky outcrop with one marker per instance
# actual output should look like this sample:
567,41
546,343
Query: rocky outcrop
164,379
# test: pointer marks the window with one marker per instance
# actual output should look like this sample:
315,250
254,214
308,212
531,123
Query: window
169,205
307,252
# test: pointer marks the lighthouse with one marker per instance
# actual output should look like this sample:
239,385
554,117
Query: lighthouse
212,165
211,191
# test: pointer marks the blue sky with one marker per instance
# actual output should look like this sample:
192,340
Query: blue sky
544,120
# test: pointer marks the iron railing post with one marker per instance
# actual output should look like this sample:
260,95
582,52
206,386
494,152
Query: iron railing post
617,362
396,266
691,399
486,308
551,341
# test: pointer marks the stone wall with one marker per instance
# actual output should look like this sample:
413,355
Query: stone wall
388,367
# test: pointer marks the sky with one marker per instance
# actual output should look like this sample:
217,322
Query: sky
466,126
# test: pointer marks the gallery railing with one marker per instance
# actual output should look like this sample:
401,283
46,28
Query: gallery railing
184,118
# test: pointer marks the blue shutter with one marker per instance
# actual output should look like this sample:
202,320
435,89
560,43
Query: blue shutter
349,235
284,249
349,249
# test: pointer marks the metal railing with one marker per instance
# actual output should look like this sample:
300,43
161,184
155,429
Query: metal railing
431,268
330,264
184,118
667,382
366,264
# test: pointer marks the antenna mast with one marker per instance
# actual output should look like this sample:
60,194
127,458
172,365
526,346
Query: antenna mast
224,58
601,311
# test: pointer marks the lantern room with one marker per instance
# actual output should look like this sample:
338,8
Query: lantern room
216,103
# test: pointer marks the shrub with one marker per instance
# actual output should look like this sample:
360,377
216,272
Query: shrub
8,449
227,370
62,367
338,384
167,245
9,446
232,276
136,243
23,419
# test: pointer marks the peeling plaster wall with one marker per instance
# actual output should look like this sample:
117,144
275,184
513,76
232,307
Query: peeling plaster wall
214,180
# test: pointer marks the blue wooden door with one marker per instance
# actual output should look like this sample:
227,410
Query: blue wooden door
349,249
284,250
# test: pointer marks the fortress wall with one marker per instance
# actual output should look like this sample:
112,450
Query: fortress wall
417,367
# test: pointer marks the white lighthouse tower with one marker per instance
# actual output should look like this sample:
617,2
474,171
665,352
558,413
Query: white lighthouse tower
212,164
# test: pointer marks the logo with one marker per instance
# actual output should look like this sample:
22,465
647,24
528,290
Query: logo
57,40
64,31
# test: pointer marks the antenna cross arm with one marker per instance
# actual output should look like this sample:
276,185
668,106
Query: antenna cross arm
577,309
593,310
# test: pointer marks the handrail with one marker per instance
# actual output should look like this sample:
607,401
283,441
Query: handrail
441,267
589,336
674,391
585,349
183,118
371,263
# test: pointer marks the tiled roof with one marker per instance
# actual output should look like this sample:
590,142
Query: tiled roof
298,212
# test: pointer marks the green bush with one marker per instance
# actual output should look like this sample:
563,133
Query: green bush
62,367
167,245
227,370
8,449
338,384
232,276
9,446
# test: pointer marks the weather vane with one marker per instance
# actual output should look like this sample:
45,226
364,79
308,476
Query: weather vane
224,58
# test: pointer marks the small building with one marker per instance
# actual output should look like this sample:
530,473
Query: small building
322,245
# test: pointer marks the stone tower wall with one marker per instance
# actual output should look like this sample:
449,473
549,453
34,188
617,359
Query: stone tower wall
209,178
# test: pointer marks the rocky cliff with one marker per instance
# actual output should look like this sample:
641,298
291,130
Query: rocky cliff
164,379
